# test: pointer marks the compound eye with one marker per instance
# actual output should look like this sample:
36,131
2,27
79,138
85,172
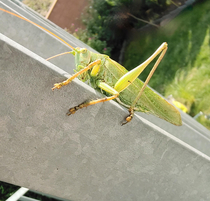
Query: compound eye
83,50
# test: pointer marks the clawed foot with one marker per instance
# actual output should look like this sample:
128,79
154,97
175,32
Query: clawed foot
57,86
71,111
129,117
74,109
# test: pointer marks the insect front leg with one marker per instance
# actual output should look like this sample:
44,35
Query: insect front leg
103,86
91,65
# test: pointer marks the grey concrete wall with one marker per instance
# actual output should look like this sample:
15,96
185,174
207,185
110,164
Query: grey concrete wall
46,45
89,155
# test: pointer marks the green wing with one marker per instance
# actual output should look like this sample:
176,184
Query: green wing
150,102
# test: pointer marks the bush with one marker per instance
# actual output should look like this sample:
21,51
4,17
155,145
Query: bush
112,20
90,39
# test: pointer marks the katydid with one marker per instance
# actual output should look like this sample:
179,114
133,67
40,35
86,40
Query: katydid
113,80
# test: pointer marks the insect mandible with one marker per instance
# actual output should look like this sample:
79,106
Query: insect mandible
113,80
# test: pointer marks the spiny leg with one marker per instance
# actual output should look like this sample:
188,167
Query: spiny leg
91,65
86,104
103,86
131,109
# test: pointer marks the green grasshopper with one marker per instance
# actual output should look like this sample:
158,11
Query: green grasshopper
113,80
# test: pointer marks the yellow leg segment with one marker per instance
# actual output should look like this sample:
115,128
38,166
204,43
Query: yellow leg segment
91,65
93,102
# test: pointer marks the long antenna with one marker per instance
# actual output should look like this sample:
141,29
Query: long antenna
37,26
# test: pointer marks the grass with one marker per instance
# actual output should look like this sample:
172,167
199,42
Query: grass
184,72
40,6
7,190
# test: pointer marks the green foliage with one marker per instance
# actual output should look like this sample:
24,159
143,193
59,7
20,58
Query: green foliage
187,38
111,20
205,121
192,88
184,70
90,39
6,190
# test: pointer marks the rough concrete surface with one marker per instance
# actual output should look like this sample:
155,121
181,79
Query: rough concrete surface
113,162
45,45
87,156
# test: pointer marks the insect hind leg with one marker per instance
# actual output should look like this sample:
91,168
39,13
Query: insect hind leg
101,85
93,102
129,117
161,50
